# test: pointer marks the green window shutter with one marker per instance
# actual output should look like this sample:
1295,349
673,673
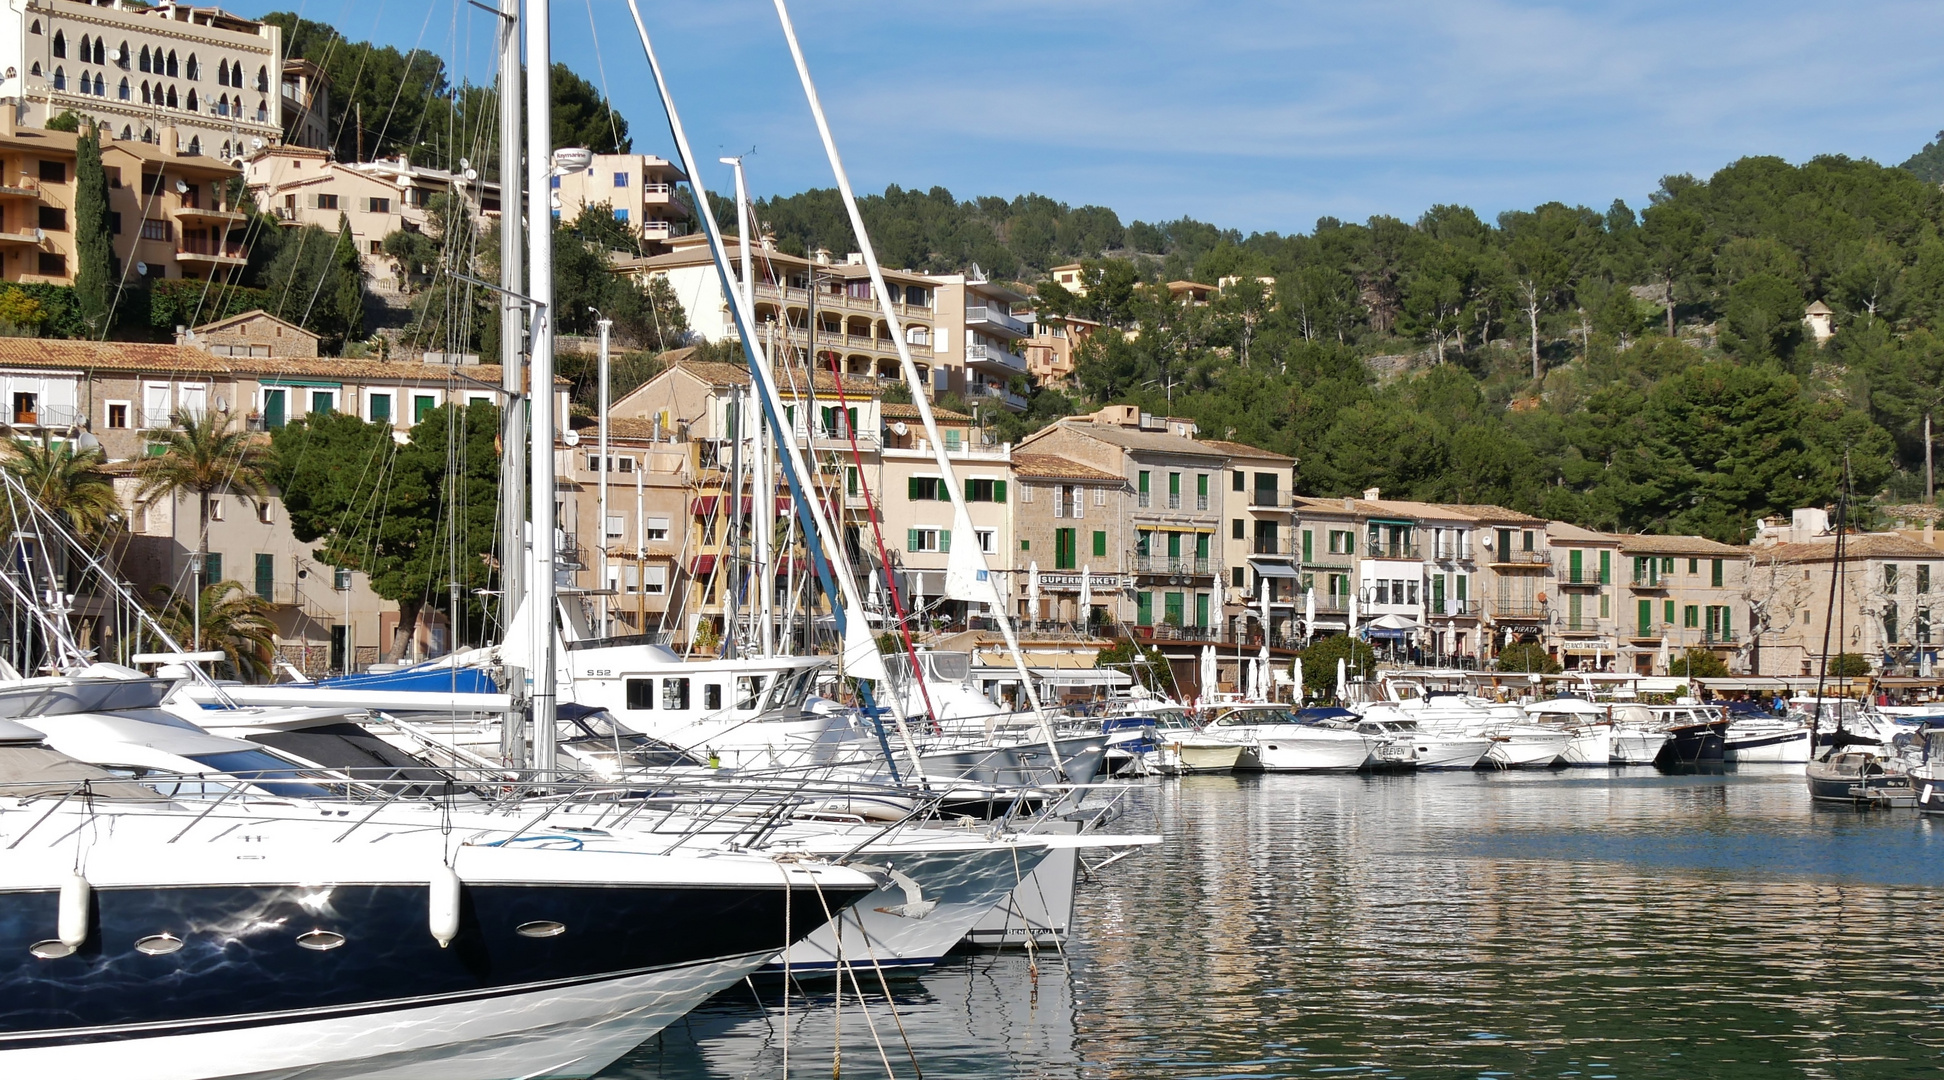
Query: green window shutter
1174,545
1646,616
1714,574
1144,609
1667,609
1100,544
1464,587
1309,544
911,540
273,409
945,540
1573,563
1025,545
1573,602
851,415
1201,609
998,491
1236,484
1144,481
266,575
1606,606
1201,488
911,490
213,568
1606,567
1201,545
1727,622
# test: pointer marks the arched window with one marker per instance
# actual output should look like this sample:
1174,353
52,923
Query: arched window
190,101
222,74
121,56
148,135
60,44
171,71
263,80
87,84
60,79
100,52
85,51
222,108
146,99
126,132
263,112
122,90
226,150
195,145
35,70
145,58
172,98
35,29
101,85
192,71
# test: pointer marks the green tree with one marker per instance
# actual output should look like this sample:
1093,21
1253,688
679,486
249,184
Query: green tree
1320,663
1848,665
1763,319
1698,664
580,116
68,483
348,288
1147,667
228,617
95,271
201,454
1529,657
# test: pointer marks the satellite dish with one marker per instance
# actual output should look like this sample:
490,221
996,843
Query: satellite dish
40,236
141,268
898,427
573,159
115,55
256,143
465,164
181,188
471,173
571,438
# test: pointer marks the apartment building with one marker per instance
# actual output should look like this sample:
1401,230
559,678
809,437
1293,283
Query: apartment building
374,199
170,213
913,504
1883,611
640,542
1259,545
306,105
1072,522
959,329
1178,515
1050,351
213,77
253,333
1683,592
1584,563
640,189
1514,580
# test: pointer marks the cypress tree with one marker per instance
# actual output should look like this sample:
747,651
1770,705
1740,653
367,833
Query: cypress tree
94,274
347,297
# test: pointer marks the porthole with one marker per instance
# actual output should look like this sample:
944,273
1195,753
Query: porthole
540,928
51,949
158,944
320,940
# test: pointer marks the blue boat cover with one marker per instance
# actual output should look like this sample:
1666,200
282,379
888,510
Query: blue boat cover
427,680
1323,712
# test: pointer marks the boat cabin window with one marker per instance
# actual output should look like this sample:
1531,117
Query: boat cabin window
749,689
263,769
712,695
675,695
641,693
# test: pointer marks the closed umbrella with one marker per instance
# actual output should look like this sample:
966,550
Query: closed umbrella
1032,591
1297,674
1309,615
1353,613
1666,659
1085,614
1208,672
1343,680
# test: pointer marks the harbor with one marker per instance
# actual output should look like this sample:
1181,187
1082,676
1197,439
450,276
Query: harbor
1582,923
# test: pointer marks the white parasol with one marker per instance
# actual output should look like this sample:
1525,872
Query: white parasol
1343,680
1032,591
1297,674
1208,673
1086,596
1309,615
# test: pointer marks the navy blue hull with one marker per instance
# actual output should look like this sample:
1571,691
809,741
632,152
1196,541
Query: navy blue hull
1697,747
240,961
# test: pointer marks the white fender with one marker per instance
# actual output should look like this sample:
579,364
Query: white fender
75,893
443,904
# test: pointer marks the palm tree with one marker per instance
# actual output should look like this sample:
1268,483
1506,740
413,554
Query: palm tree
70,484
202,454
226,617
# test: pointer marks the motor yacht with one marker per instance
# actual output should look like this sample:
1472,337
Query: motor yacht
1275,740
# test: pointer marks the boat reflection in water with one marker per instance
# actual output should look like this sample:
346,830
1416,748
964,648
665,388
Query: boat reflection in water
978,1014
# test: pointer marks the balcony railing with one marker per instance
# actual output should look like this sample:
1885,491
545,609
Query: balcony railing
1264,545
997,393
1519,609
1582,576
996,356
1719,637
1270,499
1520,558
1582,625
989,315
1651,629
1449,606
48,416
1403,549
1166,564
206,250
1650,580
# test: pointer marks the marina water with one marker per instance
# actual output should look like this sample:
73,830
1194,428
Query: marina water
1585,923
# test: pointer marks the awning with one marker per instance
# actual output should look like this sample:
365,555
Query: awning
1273,569
702,564
1386,633
1393,622
1081,677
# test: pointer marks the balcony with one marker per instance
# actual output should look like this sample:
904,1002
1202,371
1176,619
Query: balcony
1651,630
1015,402
1176,564
1720,637
995,320
1519,609
1399,549
47,416
286,215
27,187
1581,625
1440,605
994,358
27,238
1270,499
1581,578
1649,580
212,254
1520,558
196,215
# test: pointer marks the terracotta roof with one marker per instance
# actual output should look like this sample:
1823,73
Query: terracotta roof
1159,442
251,316
1866,546
1244,450
1382,508
1489,512
139,356
1560,530
898,410
1654,544
719,373
1053,467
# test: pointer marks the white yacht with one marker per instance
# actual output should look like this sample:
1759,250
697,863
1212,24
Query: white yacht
1589,728
1275,741
1430,749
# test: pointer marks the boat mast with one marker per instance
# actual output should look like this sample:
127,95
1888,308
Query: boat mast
1832,613
973,558
512,528
539,69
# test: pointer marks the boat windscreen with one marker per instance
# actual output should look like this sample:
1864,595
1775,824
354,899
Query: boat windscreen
355,752
30,771
265,770
950,666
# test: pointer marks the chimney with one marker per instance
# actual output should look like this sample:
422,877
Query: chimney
170,143
1350,505
855,258
1373,494
821,256
9,116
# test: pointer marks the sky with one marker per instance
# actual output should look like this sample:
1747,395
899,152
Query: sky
1250,114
